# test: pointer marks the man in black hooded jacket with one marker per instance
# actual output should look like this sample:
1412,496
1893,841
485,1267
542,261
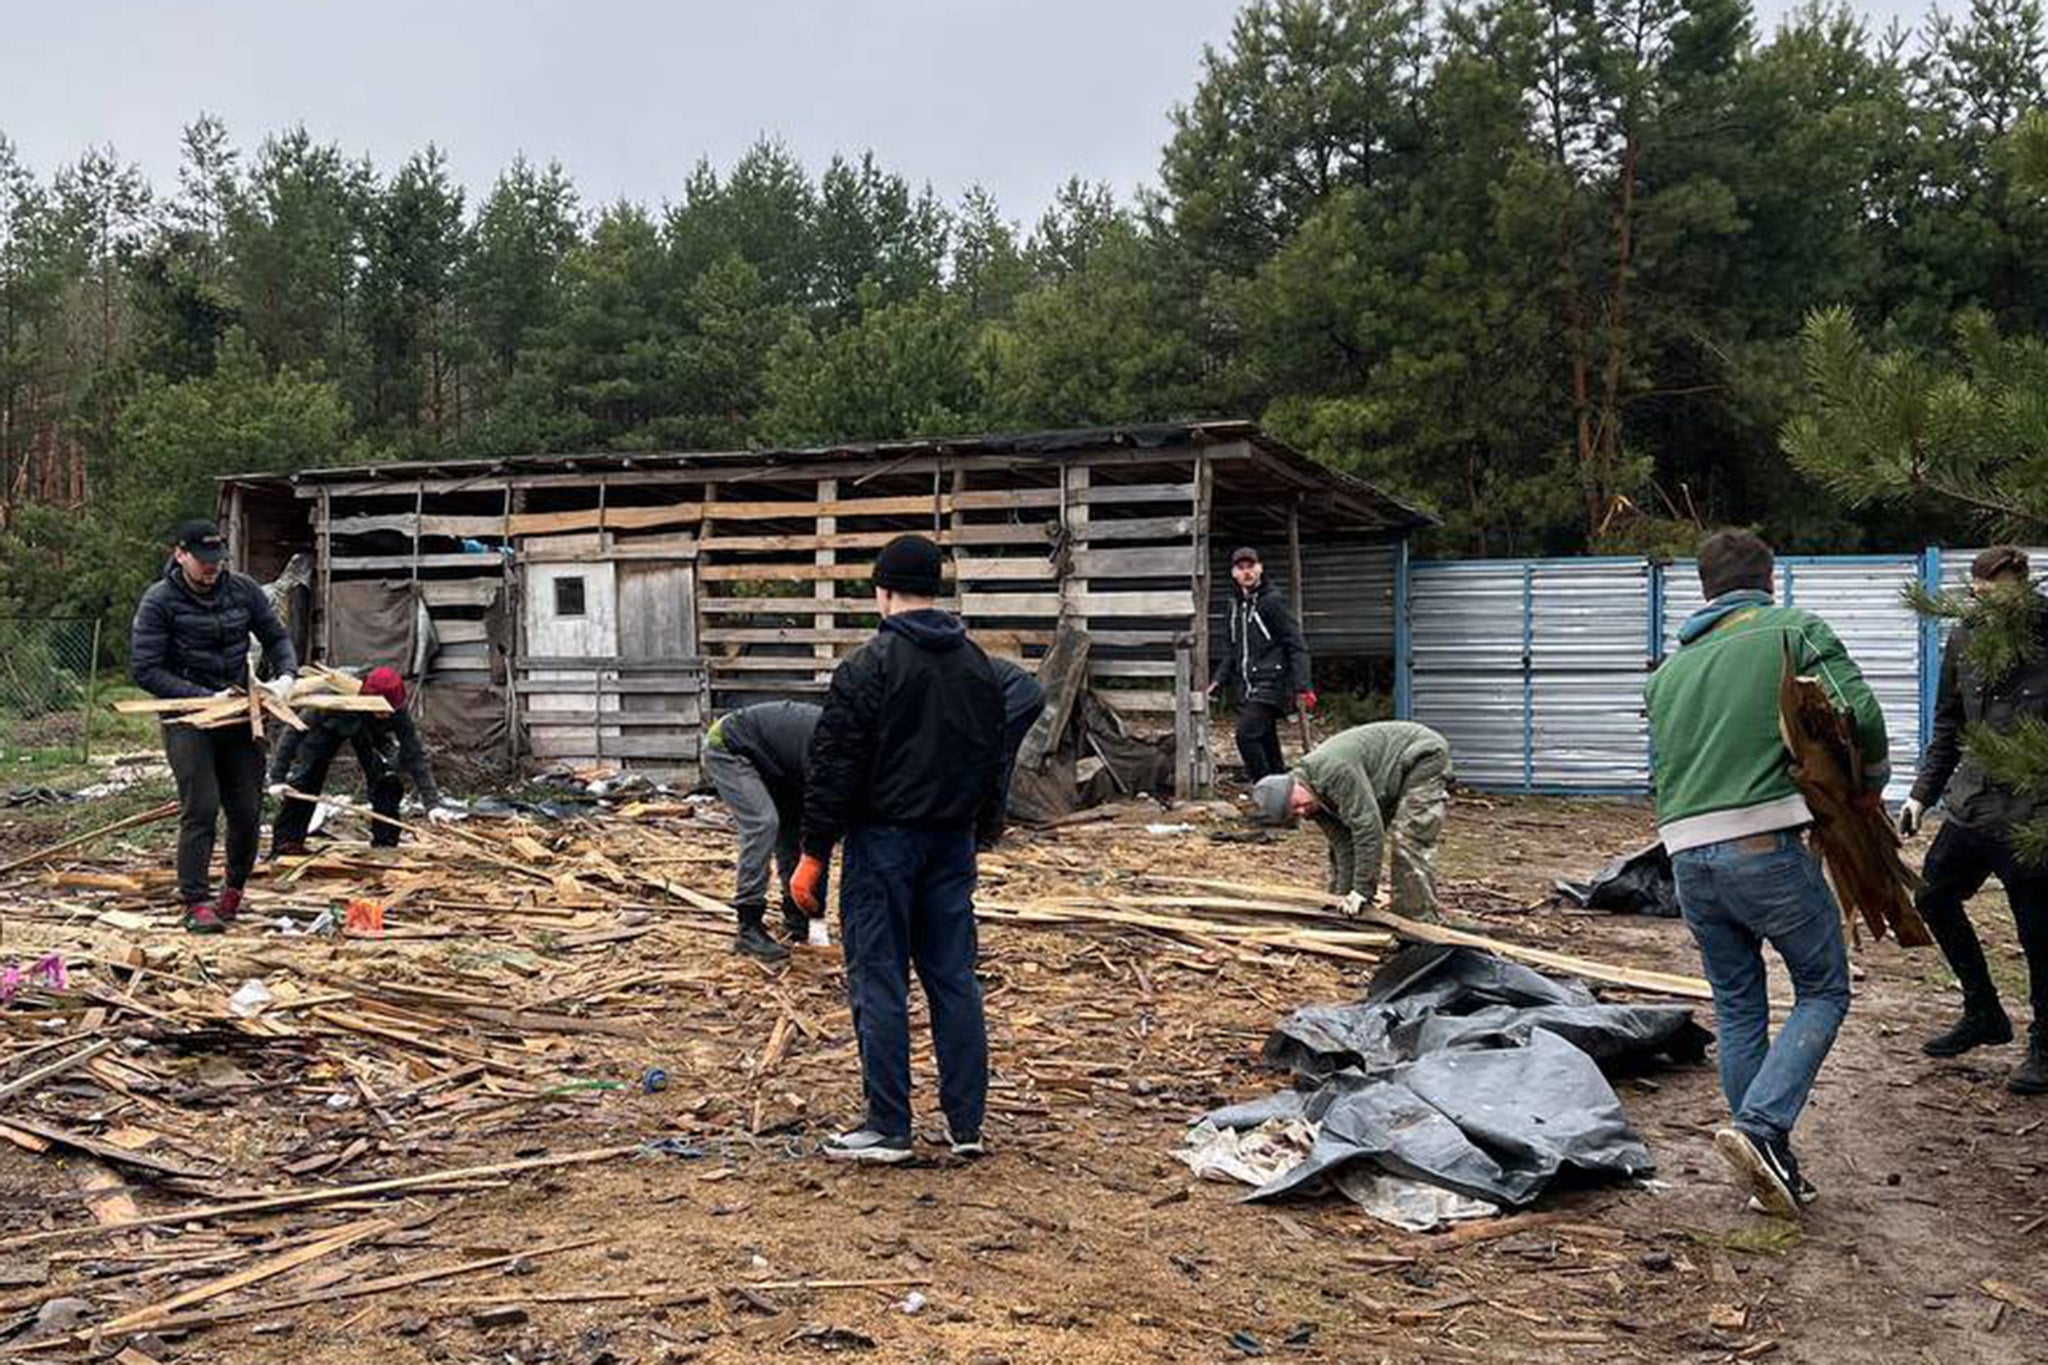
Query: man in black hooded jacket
1263,654
191,639
1977,842
906,768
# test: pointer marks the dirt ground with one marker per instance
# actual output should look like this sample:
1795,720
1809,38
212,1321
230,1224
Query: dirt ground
1080,1238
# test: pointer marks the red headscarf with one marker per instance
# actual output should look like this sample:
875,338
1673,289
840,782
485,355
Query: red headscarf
385,683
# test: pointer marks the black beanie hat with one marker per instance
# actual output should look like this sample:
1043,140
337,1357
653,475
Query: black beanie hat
910,564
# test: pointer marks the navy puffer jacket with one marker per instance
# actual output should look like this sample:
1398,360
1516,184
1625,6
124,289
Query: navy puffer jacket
192,644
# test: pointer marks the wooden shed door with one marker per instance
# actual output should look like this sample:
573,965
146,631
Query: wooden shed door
570,625
661,678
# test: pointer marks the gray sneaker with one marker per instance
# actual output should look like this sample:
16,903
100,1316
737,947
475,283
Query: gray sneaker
865,1144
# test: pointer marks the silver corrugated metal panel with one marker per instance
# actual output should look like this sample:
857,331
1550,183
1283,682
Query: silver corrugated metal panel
1589,652
1682,597
1348,606
1348,602
1955,565
1466,642
1860,600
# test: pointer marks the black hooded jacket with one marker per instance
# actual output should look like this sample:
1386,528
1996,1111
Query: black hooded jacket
193,644
911,735
1966,699
1262,650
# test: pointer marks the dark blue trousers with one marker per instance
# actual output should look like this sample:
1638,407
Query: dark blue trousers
907,896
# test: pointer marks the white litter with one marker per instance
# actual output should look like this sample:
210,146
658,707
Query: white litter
251,1000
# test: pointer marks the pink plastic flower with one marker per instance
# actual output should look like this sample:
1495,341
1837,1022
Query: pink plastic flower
10,981
51,969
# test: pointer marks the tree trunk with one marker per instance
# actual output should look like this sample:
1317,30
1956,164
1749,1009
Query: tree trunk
1608,452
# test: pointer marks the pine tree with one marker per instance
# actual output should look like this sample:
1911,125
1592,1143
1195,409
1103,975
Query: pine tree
1971,429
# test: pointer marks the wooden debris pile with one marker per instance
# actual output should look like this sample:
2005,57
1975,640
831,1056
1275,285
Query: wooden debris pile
237,1130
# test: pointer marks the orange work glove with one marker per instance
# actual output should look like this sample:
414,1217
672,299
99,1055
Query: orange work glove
803,887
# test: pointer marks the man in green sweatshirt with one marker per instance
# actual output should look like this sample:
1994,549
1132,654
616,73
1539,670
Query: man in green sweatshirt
1359,785
1735,826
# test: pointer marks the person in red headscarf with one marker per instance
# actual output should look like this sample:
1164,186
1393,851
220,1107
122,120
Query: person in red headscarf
387,746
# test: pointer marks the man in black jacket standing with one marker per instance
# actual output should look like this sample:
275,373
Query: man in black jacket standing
191,639
907,768
1264,655
1976,841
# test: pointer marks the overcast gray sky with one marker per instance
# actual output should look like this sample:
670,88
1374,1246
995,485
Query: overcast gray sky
1014,94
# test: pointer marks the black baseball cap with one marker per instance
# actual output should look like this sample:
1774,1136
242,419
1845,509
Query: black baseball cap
203,541
1242,554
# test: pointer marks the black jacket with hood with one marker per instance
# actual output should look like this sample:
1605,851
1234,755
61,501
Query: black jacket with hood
1262,650
1965,698
193,644
911,735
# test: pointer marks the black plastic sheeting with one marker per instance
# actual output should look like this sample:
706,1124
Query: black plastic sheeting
1639,883
1470,1073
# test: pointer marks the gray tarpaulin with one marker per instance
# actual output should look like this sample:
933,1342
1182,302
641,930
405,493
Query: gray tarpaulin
463,719
1468,1072
375,623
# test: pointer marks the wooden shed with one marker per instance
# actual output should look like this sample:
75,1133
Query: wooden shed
596,610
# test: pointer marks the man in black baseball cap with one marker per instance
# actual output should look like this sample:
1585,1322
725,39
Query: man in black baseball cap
202,540
1264,655
191,639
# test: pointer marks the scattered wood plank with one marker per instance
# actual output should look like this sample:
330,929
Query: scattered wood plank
324,1195
148,817
185,1322
56,1068
340,1239
1633,978
105,1151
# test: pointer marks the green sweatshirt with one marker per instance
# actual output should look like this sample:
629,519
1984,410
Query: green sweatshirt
1722,768
1358,776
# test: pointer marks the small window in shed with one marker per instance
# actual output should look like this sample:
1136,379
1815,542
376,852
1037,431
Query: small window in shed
569,596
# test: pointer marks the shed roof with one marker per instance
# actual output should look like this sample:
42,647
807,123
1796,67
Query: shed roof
1296,471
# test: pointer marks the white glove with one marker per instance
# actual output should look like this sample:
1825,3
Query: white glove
1911,815
1353,906
278,789
280,686
447,813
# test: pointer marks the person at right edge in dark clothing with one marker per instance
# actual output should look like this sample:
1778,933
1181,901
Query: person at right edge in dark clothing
906,768
1264,655
1976,841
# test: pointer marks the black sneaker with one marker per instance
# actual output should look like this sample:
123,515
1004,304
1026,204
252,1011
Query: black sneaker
1977,1028
1803,1190
967,1146
1768,1168
753,940
867,1145
2031,1076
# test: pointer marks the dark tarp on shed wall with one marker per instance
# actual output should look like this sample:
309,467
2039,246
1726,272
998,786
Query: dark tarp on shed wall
465,721
372,623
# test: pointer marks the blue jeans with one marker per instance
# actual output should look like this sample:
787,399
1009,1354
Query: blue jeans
1736,896
907,896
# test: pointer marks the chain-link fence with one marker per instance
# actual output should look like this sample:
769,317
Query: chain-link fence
49,681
